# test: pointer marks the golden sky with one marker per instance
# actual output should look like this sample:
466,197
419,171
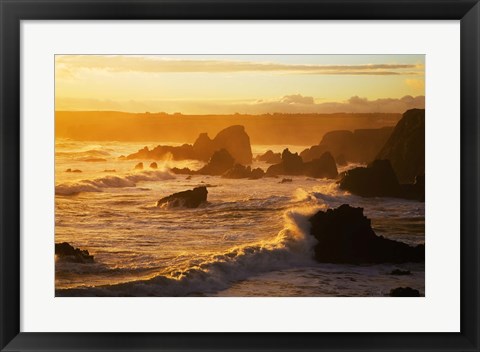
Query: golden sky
226,84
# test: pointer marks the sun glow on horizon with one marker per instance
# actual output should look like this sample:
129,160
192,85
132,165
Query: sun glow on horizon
246,84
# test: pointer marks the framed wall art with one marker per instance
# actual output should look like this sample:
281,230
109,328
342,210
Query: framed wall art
238,175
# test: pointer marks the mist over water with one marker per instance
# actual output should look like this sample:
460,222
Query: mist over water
251,238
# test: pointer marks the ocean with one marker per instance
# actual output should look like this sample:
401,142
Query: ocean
250,239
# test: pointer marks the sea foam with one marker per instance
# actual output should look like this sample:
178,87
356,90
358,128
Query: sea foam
98,184
292,247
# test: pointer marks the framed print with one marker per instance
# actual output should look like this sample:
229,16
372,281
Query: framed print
198,175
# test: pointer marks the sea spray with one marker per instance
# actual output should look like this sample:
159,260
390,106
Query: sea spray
98,184
292,247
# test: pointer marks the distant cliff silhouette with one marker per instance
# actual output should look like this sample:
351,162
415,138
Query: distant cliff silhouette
406,146
361,145
399,169
268,129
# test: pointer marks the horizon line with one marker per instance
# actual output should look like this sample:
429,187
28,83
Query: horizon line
232,114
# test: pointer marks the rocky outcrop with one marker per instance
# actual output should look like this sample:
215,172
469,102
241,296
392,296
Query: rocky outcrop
256,174
323,167
404,292
154,165
313,152
94,160
379,180
376,180
74,170
415,190
270,157
360,146
293,165
406,146
203,147
139,166
220,162
340,160
239,171
345,235
234,139
66,252
188,199
182,171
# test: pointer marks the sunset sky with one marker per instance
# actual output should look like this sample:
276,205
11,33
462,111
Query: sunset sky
254,84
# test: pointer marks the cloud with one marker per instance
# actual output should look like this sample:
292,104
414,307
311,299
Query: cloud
297,99
295,103
418,84
355,104
66,65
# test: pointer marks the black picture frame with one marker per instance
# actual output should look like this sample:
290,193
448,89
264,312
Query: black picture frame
12,12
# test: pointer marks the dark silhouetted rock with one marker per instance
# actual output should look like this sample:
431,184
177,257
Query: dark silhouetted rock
153,165
183,171
340,160
416,190
66,252
399,272
345,235
204,147
286,180
94,160
313,152
406,146
323,167
188,199
293,165
234,139
139,166
379,180
109,170
239,171
74,170
404,292
270,157
220,162
256,174
237,142
376,180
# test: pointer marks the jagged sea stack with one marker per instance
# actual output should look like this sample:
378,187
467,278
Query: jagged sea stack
406,146
345,235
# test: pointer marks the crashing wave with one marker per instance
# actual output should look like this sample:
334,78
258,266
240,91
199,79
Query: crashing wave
98,184
292,247
92,153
